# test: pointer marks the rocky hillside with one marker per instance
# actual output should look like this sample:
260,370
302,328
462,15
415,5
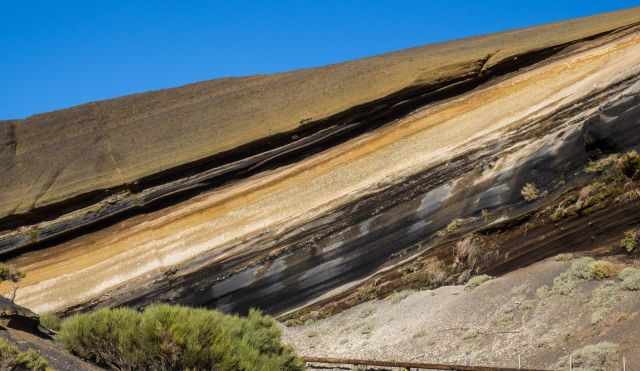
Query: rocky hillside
539,314
309,192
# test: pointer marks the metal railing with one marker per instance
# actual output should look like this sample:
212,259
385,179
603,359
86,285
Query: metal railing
407,365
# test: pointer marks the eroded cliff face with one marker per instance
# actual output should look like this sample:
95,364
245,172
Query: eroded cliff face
295,191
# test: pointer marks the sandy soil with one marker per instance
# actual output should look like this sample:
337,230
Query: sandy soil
493,324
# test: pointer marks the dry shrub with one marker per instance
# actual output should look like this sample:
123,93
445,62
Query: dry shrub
629,164
602,269
602,165
476,281
431,274
469,252
530,192
630,278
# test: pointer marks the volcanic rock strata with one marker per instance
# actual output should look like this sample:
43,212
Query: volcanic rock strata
290,190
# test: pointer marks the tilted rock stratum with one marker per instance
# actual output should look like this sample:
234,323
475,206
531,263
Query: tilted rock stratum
307,192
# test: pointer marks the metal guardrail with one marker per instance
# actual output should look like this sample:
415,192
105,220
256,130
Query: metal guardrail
409,365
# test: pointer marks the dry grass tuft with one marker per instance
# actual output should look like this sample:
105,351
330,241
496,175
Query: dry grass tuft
476,281
469,251
530,192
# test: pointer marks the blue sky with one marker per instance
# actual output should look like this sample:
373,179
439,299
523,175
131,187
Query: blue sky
57,54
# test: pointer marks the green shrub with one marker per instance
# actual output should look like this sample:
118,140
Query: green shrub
454,225
582,269
10,273
630,279
567,281
630,240
11,358
166,337
476,281
50,321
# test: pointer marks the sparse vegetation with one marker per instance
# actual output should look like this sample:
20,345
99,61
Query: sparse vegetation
564,257
367,292
602,269
166,337
398,296
601,165
615,173
476,281
468,251
454,225
10,273
368,312
599,357
630,278
429,274
12,359
50,321
367,329
630,240
582,269
471,334
603,299
530,192
629,165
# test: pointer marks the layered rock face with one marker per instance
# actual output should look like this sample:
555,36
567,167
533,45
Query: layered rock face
294,189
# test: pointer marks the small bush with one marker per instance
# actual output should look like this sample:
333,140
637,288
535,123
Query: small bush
394,298
582,269
630,240
430,274
629,164
601,165
602,269
11,358
594,196
10,273
567,281
166,337
599,357
530,192
468,251
630,278
563,257
476,281
50,321
454,225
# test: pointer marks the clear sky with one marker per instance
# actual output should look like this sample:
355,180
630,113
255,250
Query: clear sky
56,54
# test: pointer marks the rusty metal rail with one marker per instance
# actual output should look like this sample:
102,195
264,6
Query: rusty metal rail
409,365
